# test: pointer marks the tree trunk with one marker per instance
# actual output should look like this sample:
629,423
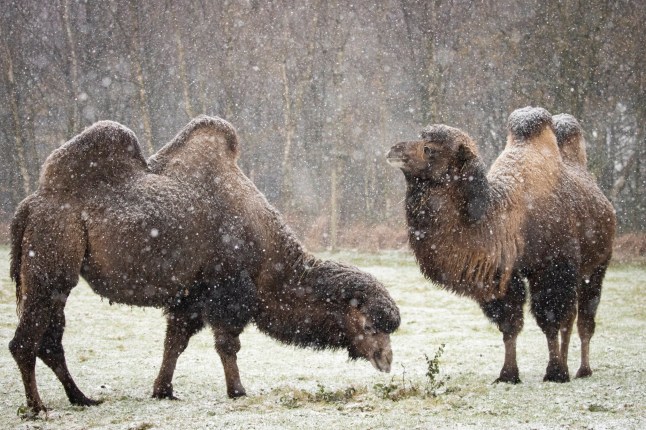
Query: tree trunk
139,75
181,54
334,206
74,122
14,106
335,180
621,177
286,189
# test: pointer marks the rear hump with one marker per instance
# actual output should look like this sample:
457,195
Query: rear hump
569,137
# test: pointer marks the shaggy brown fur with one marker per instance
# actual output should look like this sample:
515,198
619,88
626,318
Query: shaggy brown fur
189,233
533,217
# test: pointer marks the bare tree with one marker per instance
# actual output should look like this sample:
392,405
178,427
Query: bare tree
73,68
14,107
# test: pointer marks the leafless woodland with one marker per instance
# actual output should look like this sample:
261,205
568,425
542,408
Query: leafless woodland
319,91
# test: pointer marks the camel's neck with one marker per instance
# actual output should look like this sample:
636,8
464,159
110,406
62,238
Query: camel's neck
300,307
451,231
291,303
462,199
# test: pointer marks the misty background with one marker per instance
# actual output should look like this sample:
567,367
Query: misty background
318,91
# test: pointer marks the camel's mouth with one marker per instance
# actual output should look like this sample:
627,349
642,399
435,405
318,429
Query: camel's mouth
382,361
397,157
396,161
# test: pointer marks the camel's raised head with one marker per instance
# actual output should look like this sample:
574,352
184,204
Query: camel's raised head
439,155
205,142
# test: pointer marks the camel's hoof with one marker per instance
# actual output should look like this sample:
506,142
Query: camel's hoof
584,372
514,380
165,397
234,394
163,392
508,376
556,372
31,412
556,375
86,401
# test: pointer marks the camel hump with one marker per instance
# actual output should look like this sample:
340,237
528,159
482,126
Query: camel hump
569,136
528,122
105,152
206,140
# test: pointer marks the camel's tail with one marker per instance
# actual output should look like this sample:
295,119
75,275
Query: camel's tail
18,226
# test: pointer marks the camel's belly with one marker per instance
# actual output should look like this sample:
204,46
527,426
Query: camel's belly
135,290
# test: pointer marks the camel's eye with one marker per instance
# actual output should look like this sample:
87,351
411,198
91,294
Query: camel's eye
428,151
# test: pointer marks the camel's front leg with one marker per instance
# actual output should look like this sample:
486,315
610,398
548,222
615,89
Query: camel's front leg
507,314
227,344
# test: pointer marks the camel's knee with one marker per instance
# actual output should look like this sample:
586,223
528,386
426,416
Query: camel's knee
507,312
14,348
23,349
227,345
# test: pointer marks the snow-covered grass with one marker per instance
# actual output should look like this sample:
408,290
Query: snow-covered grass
114,353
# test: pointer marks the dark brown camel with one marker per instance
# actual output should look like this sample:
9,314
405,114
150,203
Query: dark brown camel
537,215
188,232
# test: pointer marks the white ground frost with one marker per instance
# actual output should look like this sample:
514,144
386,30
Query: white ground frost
114,353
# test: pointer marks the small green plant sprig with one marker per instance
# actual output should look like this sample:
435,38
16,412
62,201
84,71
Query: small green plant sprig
395,390
433,384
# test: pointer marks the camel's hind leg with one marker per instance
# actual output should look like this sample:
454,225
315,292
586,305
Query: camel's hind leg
589,297
24,346
553,303
566,333
40,334
52,353
49,255
181,326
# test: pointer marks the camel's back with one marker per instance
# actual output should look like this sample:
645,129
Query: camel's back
104,153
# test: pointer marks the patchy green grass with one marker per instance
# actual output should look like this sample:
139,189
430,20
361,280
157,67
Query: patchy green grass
114,353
